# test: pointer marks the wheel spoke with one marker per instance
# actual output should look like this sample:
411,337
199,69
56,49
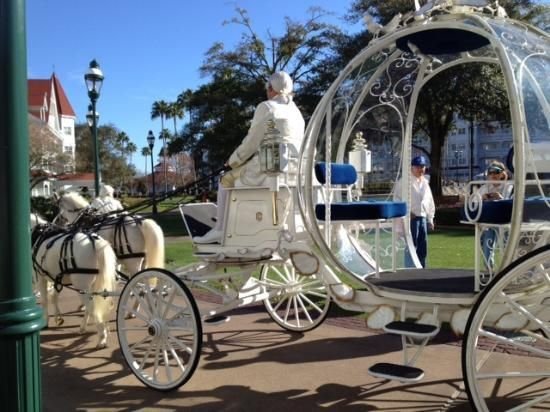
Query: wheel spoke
283,299
181,345
146,356
313,304
166,363
287,309
284,276
156,362
520,345
522,310
175,356
296,313
135,313
305,311
530,403
168,304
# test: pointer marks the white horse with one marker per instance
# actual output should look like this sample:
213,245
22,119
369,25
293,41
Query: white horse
138,242
86,261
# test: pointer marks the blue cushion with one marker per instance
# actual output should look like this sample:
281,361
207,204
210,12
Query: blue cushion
500,211
362,210
340,173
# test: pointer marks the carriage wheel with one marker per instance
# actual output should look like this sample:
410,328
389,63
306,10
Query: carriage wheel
159,329
506,348
302,302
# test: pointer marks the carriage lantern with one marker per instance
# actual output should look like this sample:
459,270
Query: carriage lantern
273,152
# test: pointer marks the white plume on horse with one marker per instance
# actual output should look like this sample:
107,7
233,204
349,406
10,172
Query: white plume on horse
133,236
96,254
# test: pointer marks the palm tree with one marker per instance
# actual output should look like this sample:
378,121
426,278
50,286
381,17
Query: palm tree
184,100
176,112
161,109
131,148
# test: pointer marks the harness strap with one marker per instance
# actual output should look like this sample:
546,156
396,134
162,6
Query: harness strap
131,255
67,262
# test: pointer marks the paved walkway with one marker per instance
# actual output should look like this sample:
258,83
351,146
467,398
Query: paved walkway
250,364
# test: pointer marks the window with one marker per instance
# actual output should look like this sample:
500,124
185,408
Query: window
68,130
461,130
68,149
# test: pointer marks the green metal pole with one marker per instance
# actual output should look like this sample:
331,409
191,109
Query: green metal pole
97,176
20,318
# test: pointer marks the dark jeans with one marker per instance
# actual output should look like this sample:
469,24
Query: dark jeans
419,233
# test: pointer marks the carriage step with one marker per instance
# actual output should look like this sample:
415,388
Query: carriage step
392,371
216,320
412,329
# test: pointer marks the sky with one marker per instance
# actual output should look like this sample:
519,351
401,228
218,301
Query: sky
147,50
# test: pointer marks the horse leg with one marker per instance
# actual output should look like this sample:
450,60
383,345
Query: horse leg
87,312
57,312
101,308
133,266
43,285
103,334
82,306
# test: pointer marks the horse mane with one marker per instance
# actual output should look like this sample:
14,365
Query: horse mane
36,219
77,200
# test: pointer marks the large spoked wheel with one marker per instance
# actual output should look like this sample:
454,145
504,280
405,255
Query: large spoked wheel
301,303
506,348
159,329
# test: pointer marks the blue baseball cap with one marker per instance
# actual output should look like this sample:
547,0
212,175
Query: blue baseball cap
419,161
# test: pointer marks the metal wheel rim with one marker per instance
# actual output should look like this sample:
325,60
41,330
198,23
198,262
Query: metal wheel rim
304,307
479,341
162,343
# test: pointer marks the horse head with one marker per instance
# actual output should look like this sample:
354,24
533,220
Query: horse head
71,206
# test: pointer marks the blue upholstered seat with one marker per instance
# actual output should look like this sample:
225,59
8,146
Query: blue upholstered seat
500,211
340,173
345,174
362,210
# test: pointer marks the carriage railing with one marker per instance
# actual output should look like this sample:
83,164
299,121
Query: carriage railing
492,220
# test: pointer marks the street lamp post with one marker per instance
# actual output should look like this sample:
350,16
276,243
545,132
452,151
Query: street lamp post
163,137
94,81
151,142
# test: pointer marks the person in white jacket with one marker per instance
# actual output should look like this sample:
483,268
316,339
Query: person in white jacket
106,202
244,161
422,209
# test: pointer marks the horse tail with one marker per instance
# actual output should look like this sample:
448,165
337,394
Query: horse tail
106,279
154,244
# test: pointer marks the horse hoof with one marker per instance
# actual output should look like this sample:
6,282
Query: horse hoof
81,308
101,345
59,321
130,316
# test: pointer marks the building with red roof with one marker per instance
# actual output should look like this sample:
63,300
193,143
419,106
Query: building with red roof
51,129
49,104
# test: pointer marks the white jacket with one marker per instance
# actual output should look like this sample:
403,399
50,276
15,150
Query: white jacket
106,204
422,201
288,121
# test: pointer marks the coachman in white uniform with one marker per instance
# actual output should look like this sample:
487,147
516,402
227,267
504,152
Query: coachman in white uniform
106,202
279,110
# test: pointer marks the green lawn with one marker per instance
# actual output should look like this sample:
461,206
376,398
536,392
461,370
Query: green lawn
451,248
447,248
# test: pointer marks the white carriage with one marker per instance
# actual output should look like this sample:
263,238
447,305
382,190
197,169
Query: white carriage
313,236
